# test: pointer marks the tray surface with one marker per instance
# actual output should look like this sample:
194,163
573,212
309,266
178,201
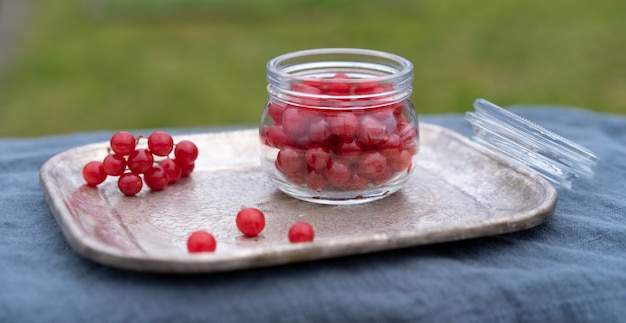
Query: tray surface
457,191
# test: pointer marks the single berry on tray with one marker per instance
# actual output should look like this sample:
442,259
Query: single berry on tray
250,221
201,241
301,232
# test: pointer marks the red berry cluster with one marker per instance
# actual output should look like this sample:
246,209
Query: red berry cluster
344,143
250,222
136,166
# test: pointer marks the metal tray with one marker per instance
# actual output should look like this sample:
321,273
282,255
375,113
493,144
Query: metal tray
458,191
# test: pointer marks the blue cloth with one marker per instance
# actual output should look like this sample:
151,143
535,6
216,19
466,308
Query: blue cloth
570,269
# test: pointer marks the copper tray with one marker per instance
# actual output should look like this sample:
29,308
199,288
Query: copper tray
458,191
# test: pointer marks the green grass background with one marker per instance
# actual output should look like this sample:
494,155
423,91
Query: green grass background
129,64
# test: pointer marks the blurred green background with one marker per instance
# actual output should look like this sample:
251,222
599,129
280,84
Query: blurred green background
129,64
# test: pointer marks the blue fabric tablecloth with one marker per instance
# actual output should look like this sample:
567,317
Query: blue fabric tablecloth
569,269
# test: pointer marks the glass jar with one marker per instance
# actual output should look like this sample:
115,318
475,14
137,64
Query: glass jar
339,127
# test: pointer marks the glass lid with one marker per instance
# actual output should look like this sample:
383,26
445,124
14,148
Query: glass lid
525,143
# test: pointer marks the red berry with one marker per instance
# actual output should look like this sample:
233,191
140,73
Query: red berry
381,178
305,88
296,178
130,184
371,132
114,164
338,173
94,173
140,160
295,122
301,232
319,132
290,160
398,108
306,95
172,169
367,87
340,84
386,116
186,152
400,161
372,165
250,221
317,82
123,143
392,142
356,183
156,177
316,180
201,241
344,124
317,157
276,137
275,111
187,169
160,143
348,151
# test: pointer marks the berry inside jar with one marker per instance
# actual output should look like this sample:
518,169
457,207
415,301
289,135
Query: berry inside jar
339,127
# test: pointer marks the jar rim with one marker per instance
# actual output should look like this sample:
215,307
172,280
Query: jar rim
392,67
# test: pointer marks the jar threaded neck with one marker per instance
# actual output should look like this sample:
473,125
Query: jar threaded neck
361,66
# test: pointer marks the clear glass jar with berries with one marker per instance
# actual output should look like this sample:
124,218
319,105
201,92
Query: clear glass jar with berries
339,127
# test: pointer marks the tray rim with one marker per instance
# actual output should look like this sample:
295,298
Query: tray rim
89,247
